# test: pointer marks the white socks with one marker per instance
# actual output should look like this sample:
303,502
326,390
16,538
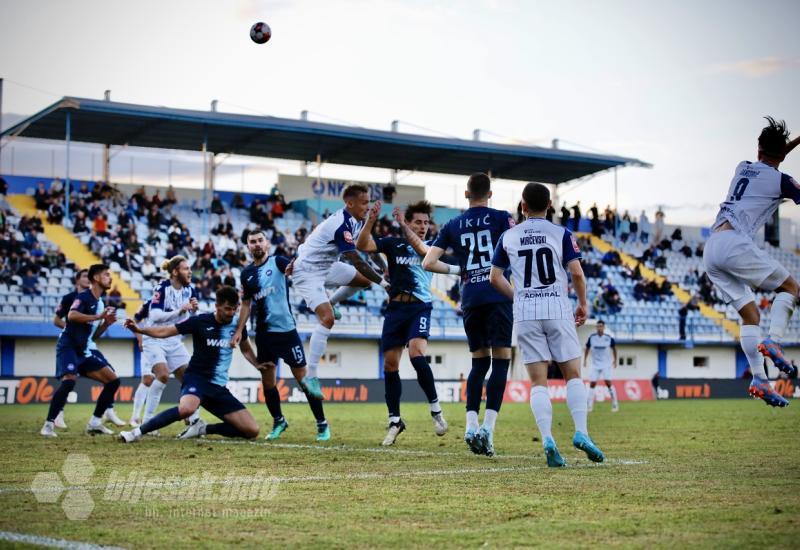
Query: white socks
316,348
472,420
435,407
194,416
613,391
749,337
782,309
153,399
139,399
489,419
542,410
343,293
590,398
576,402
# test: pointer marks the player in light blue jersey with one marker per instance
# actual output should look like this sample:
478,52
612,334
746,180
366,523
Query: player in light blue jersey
408,316
265,290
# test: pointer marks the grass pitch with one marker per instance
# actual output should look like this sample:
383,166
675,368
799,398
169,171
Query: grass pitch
715,473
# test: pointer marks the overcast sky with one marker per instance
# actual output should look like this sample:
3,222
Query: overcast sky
680,84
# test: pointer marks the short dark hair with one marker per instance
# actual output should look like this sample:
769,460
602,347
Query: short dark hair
601,322
227,295
96,269
421,207
773,138
79,273
479,186
536,196
254,232
353,190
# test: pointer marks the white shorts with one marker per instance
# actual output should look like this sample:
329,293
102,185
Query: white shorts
548,339
736,266
311,283
601,373
168,350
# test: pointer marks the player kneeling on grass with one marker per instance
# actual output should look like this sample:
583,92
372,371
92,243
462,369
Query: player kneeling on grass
205,377
539,254
408,317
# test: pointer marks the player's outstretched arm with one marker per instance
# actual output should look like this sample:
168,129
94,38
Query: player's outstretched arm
792,144
579,282
244,315
432,263
362,266
75,316
500,283
153,332
365,242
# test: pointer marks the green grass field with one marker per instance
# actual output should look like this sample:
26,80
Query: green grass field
715,473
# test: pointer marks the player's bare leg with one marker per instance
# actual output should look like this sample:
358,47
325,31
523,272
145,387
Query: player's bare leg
782,309
417,350
394,389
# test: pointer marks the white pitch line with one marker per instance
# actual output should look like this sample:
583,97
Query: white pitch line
48,542
344,477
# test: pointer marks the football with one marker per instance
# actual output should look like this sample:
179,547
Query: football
260,33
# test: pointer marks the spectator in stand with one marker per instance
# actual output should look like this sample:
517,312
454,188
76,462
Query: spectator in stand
699,250
30,283
238,202
677,235
659,227
665,288
576,215
639,291
216,206
612,299
564,215
148,269
55,213
3,187
610,222
170,198
691,278
612,258
683,312
56,189
155,220
277,209
644,227
224,227
594,213
41,197
625,227
156,200
100,226
763,304
551,212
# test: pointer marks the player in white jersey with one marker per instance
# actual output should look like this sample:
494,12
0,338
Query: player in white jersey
317,266
603,349
173,301
539,254
142,318
736,265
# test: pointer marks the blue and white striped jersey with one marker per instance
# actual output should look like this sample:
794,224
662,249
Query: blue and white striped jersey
538,252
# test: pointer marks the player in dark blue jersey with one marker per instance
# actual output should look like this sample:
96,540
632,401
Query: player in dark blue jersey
266,294
408,317
77,353
205,377
488,315
60,320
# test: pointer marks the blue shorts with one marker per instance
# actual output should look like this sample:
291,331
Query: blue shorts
489,325
69,361
271,346
216,399
405,321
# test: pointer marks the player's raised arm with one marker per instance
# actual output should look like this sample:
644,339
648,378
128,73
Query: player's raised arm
153,332
365,242
579,282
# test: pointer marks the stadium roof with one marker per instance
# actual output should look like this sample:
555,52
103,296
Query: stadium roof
113,123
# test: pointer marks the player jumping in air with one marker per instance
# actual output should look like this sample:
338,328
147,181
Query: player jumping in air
736,265
205,377
408,317
174,300
539,254
603,349
487,314
77,353
264,288
317,266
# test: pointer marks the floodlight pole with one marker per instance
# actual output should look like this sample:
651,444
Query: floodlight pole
393,175
206,207
304,164
1,124
67,185
107,149
616,192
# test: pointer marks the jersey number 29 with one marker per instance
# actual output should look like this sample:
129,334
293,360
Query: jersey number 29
480,248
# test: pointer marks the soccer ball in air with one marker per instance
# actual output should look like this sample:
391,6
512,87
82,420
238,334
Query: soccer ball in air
260,33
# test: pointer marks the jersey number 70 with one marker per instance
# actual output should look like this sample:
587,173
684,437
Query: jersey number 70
544,266
480,248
